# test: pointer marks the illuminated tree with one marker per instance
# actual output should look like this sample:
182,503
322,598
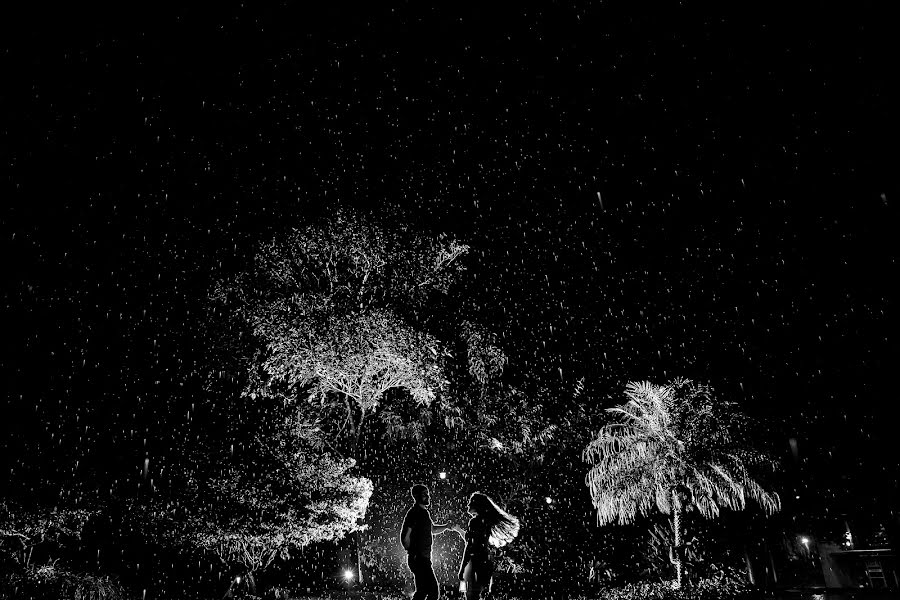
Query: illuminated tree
276,495
332,308
673,448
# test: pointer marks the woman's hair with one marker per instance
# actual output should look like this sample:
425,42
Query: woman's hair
503,526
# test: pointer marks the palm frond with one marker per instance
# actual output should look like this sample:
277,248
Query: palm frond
665,438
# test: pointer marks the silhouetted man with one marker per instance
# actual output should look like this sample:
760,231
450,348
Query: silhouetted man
415,535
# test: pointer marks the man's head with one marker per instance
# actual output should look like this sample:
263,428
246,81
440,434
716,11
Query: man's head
420,494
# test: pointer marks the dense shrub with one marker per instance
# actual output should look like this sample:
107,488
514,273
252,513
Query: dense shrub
48,582
728,585
36,540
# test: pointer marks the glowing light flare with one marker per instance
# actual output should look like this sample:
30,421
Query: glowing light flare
442,475
348,574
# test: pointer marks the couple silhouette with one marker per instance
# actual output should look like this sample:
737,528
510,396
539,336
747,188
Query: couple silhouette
489,526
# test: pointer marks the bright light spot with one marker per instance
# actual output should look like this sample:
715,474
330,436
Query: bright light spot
237,579
548,500
348,574
442,475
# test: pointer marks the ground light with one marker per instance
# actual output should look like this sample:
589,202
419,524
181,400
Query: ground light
548,500
348,575
442,475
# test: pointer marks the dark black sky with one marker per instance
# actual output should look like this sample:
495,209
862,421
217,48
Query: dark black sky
649,193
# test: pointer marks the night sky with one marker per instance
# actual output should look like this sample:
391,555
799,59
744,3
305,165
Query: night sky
648,194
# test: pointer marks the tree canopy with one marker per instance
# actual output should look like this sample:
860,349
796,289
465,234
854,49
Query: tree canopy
332,307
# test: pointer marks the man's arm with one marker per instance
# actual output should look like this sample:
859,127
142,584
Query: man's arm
406,536
406,533
439,529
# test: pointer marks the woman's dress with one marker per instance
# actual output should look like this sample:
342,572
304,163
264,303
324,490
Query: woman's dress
477,567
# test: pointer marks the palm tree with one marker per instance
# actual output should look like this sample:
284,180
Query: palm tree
673,448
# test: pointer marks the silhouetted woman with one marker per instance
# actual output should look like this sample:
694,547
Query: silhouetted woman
489,526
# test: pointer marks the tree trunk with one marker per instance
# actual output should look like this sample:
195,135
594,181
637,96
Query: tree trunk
228,592
749,565
359,448
676,530
248,580
359,570
771,562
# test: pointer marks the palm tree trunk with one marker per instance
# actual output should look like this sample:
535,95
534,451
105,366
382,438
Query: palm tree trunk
771,562
676,529
749,564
